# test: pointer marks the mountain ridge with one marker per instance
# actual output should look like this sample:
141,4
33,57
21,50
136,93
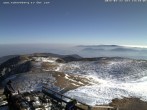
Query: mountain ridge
79,77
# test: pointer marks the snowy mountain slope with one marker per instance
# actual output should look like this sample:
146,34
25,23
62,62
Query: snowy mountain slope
105,92
106,68
33,62
92,81
26,82
117,78
112,77
42,70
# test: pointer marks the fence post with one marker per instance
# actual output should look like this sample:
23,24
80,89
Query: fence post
89,108
117,108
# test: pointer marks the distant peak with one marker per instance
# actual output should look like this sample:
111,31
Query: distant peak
96,45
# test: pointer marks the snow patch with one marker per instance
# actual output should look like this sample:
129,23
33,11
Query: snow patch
105,92
45,59
66,76
74,84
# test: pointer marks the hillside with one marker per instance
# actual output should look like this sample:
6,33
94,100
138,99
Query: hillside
89,80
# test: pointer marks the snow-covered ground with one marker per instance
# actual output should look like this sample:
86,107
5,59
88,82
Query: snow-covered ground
45,59
30,82
117,79
104,92
108,79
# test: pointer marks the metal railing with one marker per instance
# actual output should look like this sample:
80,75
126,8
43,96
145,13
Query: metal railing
60,98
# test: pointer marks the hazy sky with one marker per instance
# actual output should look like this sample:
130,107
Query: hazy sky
74,22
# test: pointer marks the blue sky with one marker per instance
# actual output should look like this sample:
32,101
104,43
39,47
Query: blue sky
74,22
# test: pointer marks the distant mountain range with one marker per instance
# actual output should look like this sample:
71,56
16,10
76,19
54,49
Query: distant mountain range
81,50
112,48
112,51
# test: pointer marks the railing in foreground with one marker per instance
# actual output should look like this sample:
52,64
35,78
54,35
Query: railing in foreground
62,99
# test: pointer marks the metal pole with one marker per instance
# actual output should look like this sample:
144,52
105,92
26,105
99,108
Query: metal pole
117,108
89,108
